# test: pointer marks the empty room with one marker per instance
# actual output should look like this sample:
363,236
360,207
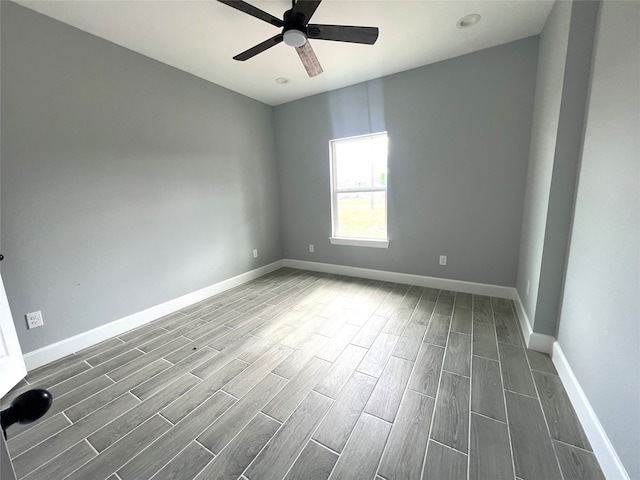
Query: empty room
308,240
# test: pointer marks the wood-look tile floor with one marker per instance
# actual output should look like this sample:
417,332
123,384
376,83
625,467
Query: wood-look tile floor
300,375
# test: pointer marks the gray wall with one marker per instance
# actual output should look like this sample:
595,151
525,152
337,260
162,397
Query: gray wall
125,183
600,317
459,139
564,65
546,112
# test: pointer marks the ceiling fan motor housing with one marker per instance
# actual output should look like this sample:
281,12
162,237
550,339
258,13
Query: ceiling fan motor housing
295,31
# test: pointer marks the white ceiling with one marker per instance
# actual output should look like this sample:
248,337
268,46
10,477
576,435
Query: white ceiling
201,37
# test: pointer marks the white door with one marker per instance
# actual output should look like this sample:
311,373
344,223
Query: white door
11,362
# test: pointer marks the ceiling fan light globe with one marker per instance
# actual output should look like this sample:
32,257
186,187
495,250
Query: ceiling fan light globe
294,38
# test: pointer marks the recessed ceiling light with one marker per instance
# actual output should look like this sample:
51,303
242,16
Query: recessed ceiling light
468,20
282,80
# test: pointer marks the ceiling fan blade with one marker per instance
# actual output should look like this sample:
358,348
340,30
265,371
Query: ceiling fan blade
253,11
343,33
305,8
261,47
309,60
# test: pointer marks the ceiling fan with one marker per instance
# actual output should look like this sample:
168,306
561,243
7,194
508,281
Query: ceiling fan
296,30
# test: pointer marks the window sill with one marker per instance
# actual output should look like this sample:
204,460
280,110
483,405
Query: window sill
359,242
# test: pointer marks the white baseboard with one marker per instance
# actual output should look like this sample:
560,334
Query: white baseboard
541,343
535,341
602,448
605,453
55,351
405,278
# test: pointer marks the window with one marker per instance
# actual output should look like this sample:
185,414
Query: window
359,190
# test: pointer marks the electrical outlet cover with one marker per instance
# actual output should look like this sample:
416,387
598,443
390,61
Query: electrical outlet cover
34,319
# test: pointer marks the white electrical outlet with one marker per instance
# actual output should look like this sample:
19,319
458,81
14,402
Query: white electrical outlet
443,259
311,248
34,320
255,253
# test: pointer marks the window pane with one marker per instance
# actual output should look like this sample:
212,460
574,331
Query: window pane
362,215
361,162
353,165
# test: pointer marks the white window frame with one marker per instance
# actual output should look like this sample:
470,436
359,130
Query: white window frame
336,239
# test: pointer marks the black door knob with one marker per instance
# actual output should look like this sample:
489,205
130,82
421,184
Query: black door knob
26,408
